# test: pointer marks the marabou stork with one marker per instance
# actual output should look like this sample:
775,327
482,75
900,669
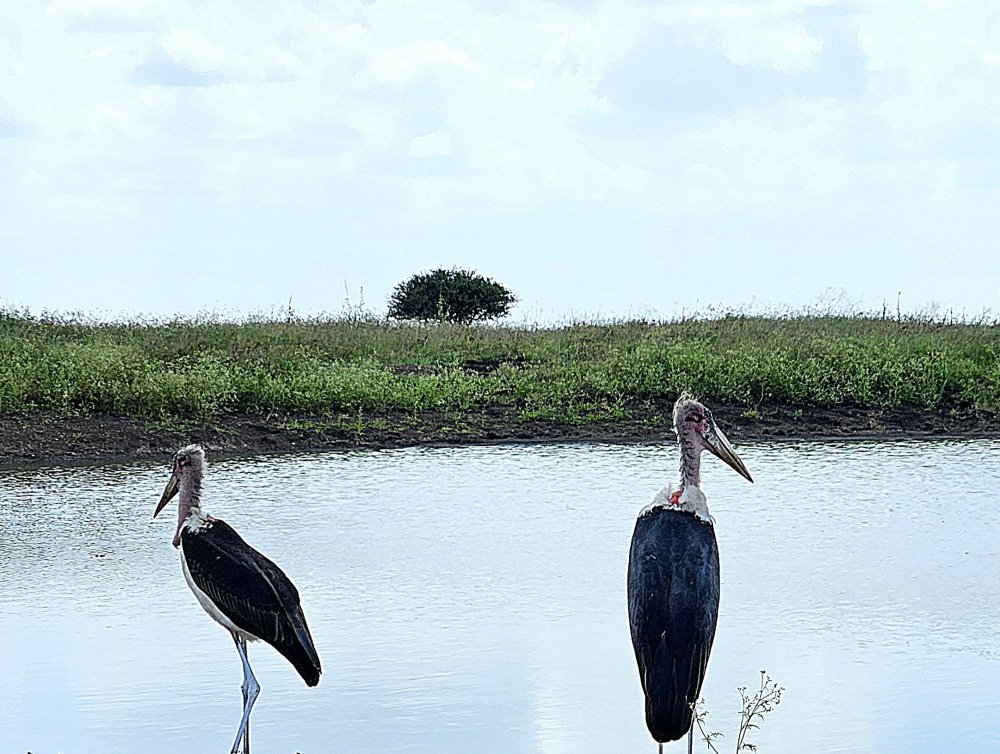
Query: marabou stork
673,580
240,588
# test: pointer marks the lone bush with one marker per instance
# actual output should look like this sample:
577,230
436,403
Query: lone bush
459,296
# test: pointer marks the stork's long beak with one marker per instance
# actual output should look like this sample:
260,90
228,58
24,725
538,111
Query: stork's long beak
171,489
719,445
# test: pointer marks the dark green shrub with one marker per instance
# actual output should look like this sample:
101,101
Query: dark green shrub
459,296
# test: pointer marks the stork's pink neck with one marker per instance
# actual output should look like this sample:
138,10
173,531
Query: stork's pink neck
188,502
691,446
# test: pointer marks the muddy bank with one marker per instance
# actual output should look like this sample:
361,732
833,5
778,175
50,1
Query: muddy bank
40,438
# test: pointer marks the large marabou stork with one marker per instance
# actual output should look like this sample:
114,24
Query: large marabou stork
240,588
673,581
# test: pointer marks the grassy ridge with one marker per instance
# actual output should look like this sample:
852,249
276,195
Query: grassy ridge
580,372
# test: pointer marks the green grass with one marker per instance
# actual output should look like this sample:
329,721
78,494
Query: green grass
580,372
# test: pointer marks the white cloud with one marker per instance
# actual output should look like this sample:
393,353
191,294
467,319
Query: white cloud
194,50
934,77
434,144
401,65
706,184
100,52
14,124
188,57
87,206
111,16
789,48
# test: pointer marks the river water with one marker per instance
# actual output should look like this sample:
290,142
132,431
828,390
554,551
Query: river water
473,599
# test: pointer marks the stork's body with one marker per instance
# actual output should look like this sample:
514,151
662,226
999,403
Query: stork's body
240,588
673,581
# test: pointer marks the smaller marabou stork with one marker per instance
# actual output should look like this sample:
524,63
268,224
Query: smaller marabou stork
241,589
673,580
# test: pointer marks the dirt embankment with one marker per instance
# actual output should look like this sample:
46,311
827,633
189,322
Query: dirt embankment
40,438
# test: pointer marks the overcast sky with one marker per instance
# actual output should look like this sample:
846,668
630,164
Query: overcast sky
598,158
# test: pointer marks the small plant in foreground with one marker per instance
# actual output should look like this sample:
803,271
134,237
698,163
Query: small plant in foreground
701,720
755,707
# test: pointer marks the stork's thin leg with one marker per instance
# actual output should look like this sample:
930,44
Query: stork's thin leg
246,729
691,740
246,738
244,688
250,689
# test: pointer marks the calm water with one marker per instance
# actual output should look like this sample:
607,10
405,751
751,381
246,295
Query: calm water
473,599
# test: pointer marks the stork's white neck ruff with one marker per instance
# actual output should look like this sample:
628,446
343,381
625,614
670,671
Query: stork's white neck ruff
196,521
687,499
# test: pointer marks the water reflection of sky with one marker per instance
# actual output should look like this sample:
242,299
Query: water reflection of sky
473,599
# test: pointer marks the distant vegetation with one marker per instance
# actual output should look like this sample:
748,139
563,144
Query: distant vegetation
456,296
578,372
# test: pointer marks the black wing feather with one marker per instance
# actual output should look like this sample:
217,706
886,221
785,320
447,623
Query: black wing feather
673,605
253,592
